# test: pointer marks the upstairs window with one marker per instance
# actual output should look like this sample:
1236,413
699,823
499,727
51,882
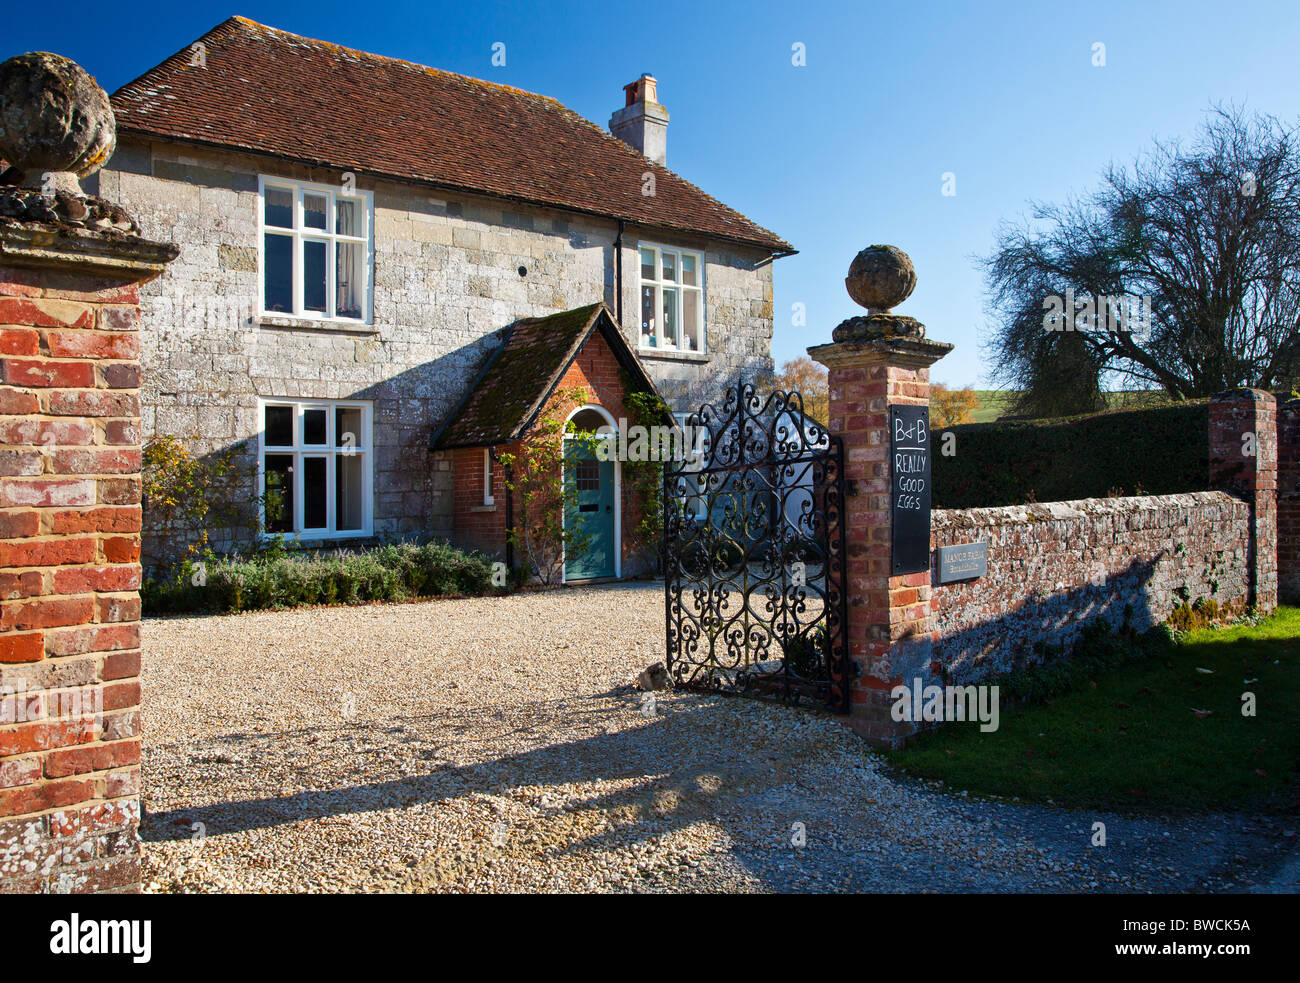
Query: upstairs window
672,299
316,259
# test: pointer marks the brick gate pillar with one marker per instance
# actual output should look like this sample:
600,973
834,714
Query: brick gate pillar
1244,462
877,361
1288,502
70,453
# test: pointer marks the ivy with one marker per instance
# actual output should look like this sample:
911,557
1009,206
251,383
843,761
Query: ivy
186,496
542,491
643,480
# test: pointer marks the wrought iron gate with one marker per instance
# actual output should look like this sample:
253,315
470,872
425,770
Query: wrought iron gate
754,553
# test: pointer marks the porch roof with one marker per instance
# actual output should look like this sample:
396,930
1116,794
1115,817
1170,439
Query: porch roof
520,376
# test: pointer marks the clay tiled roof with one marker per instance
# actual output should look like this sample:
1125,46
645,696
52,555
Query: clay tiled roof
268,91
521,375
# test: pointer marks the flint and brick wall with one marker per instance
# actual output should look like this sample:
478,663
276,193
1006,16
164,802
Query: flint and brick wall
1288,502
69,578
1056,567
1053,568
446,279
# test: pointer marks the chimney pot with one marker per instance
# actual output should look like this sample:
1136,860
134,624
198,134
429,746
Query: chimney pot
643,89
642,123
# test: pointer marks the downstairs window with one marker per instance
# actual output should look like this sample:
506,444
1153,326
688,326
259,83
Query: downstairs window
315,466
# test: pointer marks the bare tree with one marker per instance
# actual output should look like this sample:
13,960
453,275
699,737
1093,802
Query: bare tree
1209,232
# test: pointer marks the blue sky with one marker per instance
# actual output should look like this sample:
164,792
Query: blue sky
847,150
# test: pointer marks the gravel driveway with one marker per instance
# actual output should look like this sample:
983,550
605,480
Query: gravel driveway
496,744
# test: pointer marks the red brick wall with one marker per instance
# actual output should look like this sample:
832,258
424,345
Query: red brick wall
889,616
1288,502
1248,468
595,370
478,526
69,580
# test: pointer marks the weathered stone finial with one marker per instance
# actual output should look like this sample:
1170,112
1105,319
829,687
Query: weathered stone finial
56,123
880,278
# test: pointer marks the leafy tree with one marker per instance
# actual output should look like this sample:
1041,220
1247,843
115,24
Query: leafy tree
1210,232
951,406
808,378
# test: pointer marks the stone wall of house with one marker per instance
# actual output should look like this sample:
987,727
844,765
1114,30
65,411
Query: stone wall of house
446,280
1056,567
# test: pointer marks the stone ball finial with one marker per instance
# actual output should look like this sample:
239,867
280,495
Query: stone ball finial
880,278
56,123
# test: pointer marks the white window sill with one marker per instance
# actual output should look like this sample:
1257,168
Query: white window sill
315,324
307,538
672,354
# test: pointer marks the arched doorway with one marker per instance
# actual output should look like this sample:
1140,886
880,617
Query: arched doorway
593,506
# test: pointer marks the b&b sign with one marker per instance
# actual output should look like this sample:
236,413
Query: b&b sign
909,495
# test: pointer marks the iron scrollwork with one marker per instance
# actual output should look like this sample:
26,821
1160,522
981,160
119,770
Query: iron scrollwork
754,554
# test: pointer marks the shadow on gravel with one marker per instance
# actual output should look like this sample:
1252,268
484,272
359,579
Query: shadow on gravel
627,754
866,832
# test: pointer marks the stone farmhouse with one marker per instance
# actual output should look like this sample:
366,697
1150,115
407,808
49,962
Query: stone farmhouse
367,245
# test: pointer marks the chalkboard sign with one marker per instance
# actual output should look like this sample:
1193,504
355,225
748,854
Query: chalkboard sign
909,484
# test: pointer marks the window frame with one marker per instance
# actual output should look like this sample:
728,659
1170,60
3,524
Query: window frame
300,234
300,451
659,284
488,497
694,463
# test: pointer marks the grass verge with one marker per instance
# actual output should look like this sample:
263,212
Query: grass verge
1161,733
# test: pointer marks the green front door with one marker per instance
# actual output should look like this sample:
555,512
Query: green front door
590,512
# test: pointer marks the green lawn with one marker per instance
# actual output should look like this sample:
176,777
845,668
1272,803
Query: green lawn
994,403
1139,737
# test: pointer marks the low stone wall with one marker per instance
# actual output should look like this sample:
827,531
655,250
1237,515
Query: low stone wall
1053,568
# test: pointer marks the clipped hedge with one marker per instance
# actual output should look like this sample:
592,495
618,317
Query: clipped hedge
395,572
1157,450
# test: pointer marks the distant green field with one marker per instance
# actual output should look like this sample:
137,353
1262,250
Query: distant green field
994,403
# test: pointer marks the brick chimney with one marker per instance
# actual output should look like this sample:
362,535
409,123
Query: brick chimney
642,123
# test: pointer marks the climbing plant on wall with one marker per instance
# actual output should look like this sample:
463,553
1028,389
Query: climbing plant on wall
536,479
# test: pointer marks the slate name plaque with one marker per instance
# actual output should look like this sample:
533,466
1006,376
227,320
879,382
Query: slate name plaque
909,488
964,562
